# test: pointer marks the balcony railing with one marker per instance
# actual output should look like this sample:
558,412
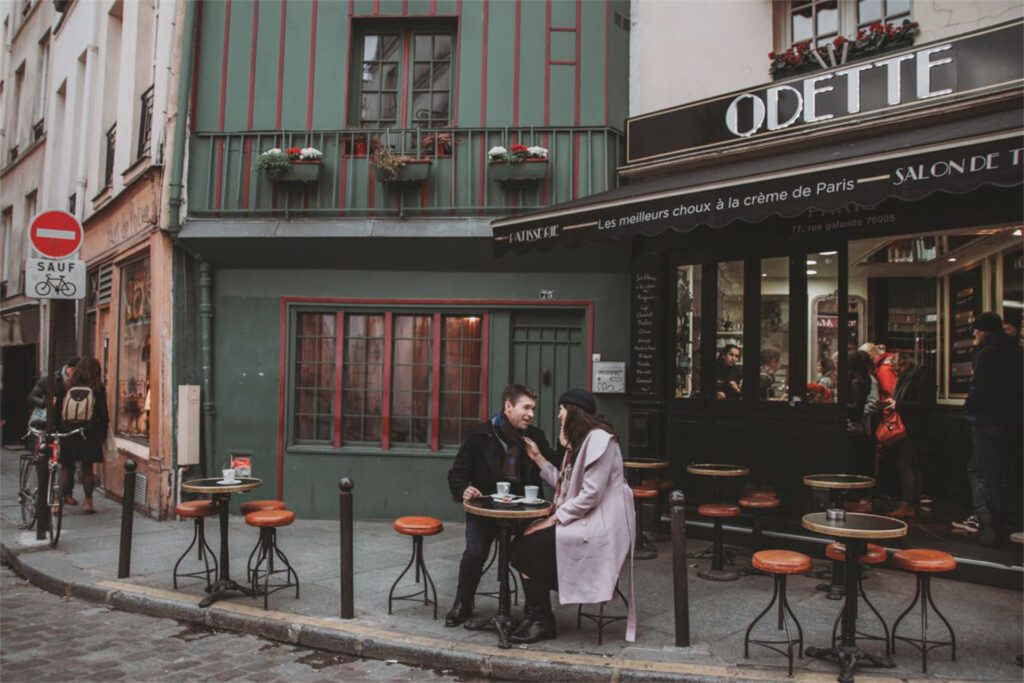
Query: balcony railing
145,123
108,169
223,179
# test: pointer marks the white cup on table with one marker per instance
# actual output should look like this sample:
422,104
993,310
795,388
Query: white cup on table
503,488
229,475
531,492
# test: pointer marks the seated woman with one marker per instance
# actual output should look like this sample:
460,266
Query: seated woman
579,549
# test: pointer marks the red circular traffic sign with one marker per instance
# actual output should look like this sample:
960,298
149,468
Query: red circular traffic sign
55,234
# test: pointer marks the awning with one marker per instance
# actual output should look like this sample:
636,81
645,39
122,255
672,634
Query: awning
650,208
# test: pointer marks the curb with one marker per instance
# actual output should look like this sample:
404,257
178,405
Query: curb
352,638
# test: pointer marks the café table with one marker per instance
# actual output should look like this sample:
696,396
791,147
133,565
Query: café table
717,472
221,494
855,530
635,470
505,517
837,486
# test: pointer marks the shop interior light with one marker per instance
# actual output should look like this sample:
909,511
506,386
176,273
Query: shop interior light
1017,232
827,253
812,272
811,262
764,274
952,259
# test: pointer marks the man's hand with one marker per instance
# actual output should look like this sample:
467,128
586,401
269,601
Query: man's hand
470,493
541,524
533,451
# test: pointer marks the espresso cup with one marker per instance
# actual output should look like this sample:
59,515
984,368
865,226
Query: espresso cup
531,492
229,475
503,488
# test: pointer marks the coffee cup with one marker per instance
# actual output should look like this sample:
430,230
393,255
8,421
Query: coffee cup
531,492
503,488
229,475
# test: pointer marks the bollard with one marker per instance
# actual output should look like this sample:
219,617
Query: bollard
124,560
679,577
42,486
345,485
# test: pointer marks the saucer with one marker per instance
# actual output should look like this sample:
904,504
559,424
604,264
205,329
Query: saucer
503,496
533,501
229,481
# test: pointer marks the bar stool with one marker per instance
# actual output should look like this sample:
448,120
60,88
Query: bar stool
874,554
600,618
255,506
756,503
780,564
198,511
718,512
640,551
662,486
268,522
417,527
924,563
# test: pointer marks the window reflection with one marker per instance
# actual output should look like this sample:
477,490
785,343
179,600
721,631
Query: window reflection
823,292
688,317
773,375
729,332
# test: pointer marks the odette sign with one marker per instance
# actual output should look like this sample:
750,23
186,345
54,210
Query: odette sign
55,234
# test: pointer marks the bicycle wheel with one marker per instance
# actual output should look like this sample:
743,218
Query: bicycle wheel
56,501
43,288
28,488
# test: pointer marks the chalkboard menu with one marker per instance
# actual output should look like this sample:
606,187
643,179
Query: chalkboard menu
645,337
965,301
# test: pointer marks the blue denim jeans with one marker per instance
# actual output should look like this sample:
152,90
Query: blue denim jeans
988,471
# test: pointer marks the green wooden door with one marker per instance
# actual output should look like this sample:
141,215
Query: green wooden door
549,355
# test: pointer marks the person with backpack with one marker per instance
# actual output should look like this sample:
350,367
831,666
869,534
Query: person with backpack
82,403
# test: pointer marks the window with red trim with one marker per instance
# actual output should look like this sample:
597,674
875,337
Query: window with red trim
406,379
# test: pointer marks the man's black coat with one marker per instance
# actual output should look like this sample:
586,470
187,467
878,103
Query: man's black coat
479,460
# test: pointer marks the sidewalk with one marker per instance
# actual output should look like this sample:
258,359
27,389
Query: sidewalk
988,621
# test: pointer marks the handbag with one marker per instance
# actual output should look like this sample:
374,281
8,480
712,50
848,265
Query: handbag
891,429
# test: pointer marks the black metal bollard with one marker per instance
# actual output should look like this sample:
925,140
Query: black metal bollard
679,577
43,485
345,485
124,560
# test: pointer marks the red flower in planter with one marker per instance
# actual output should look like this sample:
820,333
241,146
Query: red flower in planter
293,153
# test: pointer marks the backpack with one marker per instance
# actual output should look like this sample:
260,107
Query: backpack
79,405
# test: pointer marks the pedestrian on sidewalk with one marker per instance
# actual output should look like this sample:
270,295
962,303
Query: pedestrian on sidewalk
913,398
82,403
579,550
37,397
492,451
995,401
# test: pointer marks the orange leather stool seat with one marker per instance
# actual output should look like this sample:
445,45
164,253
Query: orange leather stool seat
760,502
657,484
643,492
418,526
921,560
858,506
875,554
270,518
254,505
195,508
719,510
781,562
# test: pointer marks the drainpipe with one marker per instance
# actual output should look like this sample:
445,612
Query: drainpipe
181,119
206,344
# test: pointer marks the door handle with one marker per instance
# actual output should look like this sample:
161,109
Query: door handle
545,377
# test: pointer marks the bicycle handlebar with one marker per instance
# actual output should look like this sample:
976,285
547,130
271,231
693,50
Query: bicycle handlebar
41,433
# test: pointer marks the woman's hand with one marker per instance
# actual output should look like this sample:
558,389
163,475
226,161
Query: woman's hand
533,451
541,524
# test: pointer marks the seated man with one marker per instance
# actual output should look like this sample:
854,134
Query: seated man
493,451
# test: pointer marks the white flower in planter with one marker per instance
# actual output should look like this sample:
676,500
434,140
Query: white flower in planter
310,154
538,152
498,152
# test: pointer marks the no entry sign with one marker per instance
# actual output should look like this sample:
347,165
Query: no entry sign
55,234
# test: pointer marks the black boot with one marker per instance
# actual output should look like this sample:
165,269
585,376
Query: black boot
540,621
460,611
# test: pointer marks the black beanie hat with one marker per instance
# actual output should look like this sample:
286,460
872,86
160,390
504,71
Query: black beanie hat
580,398
988,322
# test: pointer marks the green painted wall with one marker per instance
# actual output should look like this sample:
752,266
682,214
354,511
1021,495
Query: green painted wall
247,359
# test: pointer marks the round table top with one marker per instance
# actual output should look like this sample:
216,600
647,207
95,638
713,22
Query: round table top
485,507
645,464
210,485
856,525
839,481
709,469
1017,537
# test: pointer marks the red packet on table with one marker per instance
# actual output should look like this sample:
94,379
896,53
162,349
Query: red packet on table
242,464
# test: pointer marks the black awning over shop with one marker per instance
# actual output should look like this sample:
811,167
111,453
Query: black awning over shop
650,208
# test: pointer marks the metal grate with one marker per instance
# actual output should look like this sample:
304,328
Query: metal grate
146,122
100,285
141,483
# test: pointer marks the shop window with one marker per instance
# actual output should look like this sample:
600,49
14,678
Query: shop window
822,21
773,373
886,11
823,359
1013,290
133,366
814,20
729,332
406,77
688,324
406,379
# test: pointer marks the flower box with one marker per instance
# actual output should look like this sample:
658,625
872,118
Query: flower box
412,171
525,172
300,173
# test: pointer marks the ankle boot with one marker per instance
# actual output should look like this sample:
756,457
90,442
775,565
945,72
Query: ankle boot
540,622
461,611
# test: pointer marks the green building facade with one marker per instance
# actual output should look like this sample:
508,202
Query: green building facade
359,324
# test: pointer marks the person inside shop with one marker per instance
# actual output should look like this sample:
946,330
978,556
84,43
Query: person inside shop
995,402
827,373
492,451
913,398
856,444
884,372
728,373
37,397
82,403
771,359
580,548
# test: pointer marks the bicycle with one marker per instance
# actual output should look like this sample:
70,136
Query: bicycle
29,478
55,284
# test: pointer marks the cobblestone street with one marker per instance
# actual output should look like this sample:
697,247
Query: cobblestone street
46,638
